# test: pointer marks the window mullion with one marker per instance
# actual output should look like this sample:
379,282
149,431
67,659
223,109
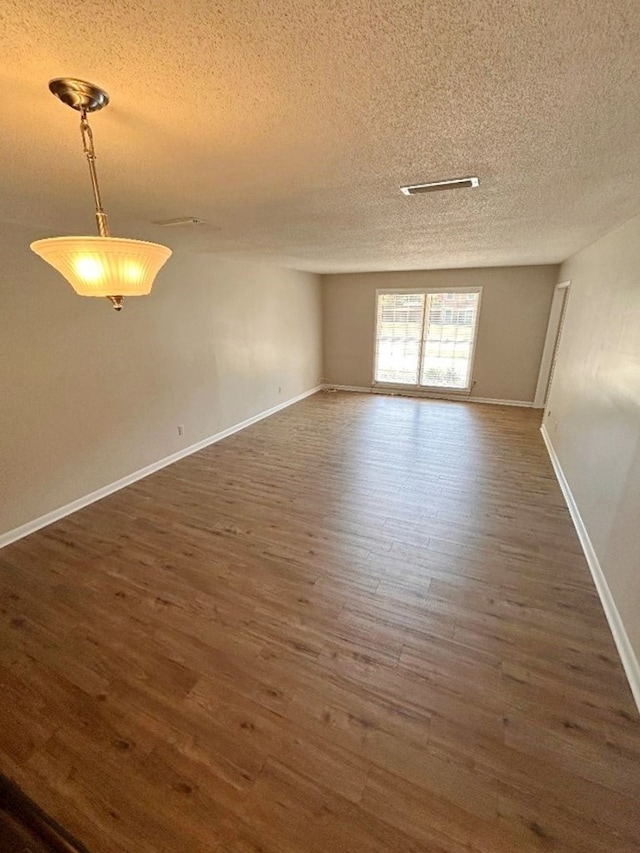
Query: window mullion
422,336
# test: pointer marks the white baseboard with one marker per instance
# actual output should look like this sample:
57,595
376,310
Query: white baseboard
348,388
56,514
523,404
401,392
625,649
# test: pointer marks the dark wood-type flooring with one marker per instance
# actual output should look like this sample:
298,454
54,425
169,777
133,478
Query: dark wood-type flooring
25,828
364,624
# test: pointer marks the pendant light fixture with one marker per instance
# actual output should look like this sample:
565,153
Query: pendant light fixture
99,266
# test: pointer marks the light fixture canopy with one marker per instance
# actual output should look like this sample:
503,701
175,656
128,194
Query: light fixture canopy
108,266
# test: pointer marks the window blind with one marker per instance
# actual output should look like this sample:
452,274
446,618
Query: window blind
448,340
399,337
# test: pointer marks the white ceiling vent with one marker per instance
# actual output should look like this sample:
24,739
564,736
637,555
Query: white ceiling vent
435,186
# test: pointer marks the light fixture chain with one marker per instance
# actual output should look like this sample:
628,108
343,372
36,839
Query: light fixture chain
89,150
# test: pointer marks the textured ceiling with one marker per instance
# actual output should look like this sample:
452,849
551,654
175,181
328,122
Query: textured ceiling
289,125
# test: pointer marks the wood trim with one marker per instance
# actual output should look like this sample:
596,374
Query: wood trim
453,289
551,342
56,514
526,404
630,662
401,392
358,389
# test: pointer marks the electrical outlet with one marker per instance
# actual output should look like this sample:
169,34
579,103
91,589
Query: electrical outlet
180,429
279,389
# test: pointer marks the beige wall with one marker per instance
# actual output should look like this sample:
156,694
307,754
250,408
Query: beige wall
594,408
513,322
89,396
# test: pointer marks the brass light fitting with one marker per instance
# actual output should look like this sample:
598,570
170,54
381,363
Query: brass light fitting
104,265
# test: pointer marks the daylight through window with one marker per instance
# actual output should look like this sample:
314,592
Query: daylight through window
426,338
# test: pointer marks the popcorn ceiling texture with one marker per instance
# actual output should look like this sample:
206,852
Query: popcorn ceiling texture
290,124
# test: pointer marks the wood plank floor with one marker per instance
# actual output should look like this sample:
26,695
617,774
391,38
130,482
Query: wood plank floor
364,624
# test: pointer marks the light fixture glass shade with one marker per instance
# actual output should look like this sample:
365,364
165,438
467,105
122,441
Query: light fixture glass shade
104,266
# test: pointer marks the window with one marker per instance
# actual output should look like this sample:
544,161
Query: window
426,338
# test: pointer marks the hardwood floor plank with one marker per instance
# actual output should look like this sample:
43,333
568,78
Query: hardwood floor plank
362,624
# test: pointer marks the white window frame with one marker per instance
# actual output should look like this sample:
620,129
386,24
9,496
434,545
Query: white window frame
431,389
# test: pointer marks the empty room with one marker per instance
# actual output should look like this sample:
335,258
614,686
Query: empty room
320,426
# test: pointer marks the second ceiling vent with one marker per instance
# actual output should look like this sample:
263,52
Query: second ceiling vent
436,186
